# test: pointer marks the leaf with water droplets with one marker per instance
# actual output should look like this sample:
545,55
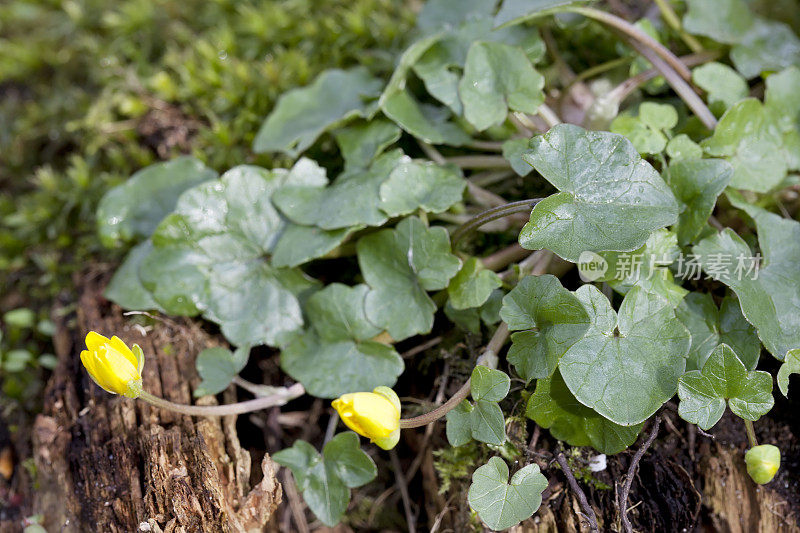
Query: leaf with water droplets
610,199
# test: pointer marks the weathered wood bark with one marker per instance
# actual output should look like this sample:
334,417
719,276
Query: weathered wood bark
108,463
736,504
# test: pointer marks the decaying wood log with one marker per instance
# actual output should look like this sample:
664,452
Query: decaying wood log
111,464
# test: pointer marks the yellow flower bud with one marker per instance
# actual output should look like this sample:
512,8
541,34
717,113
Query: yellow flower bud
112,365
763,462
375,415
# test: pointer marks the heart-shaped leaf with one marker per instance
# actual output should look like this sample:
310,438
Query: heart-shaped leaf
501,504
473,285
611,198
400,265
336,355
498,78
724,377
326,479
627,364
551,318
552,406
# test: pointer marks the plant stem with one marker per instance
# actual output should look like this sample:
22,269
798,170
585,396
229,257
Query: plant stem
522,206
626,487
492,349
573,484
634,33
751,433
680,86
549,115
257,404
624,89
506,256
672,20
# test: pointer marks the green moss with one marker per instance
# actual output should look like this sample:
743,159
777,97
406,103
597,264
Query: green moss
91,91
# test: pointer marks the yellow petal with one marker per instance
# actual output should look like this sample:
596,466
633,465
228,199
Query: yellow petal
122,348
94,341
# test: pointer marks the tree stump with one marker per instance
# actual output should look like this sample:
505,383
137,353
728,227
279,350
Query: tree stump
112,464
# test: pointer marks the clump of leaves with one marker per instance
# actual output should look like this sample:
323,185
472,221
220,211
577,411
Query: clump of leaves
404,190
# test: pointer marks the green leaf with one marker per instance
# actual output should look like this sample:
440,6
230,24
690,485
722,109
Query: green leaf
703,392
683,147
552,319
400,106
362,143
352,465
513,151
175,279
748,136
459,424
552,406
438,14
400,265
488,423
428,124
772,301
722,20
134,209
470,319
328,369
647,268
209,255
125,288
501,504
646,139
337,313
352,200
255,303
421,185
627,364
325,480
16,360
337,356
473,285
696,184
518,11
217,367
489,384
300,244
498,78
483,420
710,327
658,116
790,366
440,67
724,85
611,199
646,131
768,46
302,115
782,97
21,318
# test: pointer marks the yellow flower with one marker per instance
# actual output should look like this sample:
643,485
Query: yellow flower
375,415
112,365
763,462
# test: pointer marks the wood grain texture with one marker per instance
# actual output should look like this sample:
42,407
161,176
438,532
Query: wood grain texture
108,463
